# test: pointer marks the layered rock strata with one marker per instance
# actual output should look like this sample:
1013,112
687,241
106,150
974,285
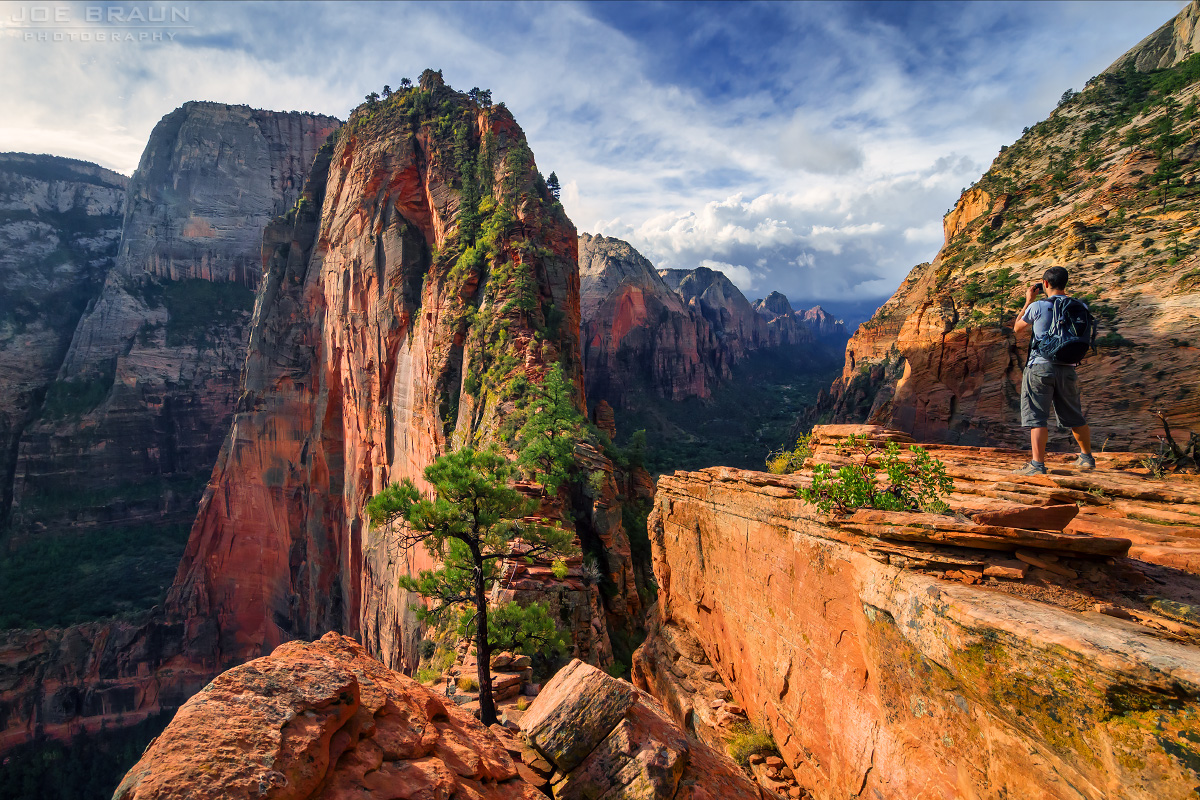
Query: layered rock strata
922,655
1104,186
606,738
60,225
323,720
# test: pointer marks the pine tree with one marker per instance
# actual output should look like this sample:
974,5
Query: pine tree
553,185
552,428
473,523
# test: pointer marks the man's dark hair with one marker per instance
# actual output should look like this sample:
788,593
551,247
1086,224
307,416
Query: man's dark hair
1056,277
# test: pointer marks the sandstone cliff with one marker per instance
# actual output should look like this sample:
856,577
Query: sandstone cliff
1044,642
423,280
60,223
126,436
1106,187
638,335
1174,41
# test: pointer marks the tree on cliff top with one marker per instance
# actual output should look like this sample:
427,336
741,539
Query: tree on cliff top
473,522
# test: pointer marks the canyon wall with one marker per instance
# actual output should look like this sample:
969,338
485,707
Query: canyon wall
638,335
738,325
896,654
128,431
1105,187
60,225
674,334
421,282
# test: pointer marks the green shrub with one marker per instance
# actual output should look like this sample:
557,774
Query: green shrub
781,462
427,648
522,703
918,484
617,669
466,684
747,741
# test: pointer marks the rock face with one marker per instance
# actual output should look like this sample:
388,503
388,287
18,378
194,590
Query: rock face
607,739
1096,188
674,334
60,223
402,311
737,325
887,660
1176,40
638,334
129,431
322,720
210,179
819,322
384,335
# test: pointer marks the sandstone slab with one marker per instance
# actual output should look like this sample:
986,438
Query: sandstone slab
574,712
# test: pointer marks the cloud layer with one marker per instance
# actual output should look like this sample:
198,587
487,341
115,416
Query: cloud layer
810,147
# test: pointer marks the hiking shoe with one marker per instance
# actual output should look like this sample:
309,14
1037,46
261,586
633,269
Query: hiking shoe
1031,469
1084,462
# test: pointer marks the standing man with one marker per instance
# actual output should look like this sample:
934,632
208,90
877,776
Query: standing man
1049,379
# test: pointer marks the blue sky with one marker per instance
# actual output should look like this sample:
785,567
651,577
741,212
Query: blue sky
806,147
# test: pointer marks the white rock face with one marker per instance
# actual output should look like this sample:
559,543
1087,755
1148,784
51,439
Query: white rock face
59,228
212,176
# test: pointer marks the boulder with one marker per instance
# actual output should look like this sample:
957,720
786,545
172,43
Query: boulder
323,720
637,753
574,712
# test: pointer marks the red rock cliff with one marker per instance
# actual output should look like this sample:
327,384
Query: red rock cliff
638,334
901,655
378,342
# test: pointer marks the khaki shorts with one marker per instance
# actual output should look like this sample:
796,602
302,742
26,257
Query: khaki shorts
1044,385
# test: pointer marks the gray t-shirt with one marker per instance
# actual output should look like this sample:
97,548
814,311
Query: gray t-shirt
1039,314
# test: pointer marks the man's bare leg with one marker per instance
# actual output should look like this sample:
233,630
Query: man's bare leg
1083,435
1037,438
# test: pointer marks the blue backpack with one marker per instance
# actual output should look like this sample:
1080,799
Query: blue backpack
1071,334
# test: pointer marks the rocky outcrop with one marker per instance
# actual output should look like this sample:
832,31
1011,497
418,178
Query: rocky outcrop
127,434
60,223
638,335
917,655
1176,40
1101,188
323,720
607,739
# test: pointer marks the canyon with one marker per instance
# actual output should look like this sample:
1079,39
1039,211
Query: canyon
1037,637
131,410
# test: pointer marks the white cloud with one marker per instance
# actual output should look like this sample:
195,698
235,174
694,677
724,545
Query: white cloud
824,153
743,277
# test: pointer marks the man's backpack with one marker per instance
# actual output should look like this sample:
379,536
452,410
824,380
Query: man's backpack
1071,334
